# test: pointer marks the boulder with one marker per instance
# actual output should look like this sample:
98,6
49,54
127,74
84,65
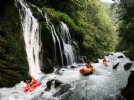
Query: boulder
127,66
57,83
128,91
60,71
120,56
112,54
73,66
115,66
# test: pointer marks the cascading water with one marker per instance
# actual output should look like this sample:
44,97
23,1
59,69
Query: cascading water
31,33
55,38
68,49
66,39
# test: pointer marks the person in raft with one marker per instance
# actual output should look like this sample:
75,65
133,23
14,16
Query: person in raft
88,65
33,82
105,62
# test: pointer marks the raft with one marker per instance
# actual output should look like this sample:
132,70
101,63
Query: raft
31,86
86,71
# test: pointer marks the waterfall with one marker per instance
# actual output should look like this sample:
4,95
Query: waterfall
31,33
66,40
68,49
55,37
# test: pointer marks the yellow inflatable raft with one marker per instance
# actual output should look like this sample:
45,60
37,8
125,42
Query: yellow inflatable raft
86,71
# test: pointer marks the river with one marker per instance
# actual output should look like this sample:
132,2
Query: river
104,84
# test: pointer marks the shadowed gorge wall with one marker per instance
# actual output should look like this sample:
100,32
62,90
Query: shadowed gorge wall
13,61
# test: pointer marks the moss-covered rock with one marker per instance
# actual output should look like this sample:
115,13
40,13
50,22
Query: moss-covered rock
13,62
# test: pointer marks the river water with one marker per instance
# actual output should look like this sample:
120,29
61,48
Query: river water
104,84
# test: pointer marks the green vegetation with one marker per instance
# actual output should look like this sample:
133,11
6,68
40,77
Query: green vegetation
126,29
13,62
59,16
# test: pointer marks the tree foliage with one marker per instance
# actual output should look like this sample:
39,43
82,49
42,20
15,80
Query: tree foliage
99,30
125,10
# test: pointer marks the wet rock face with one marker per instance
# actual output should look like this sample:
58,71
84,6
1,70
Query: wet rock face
128,92
13,62
127,66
